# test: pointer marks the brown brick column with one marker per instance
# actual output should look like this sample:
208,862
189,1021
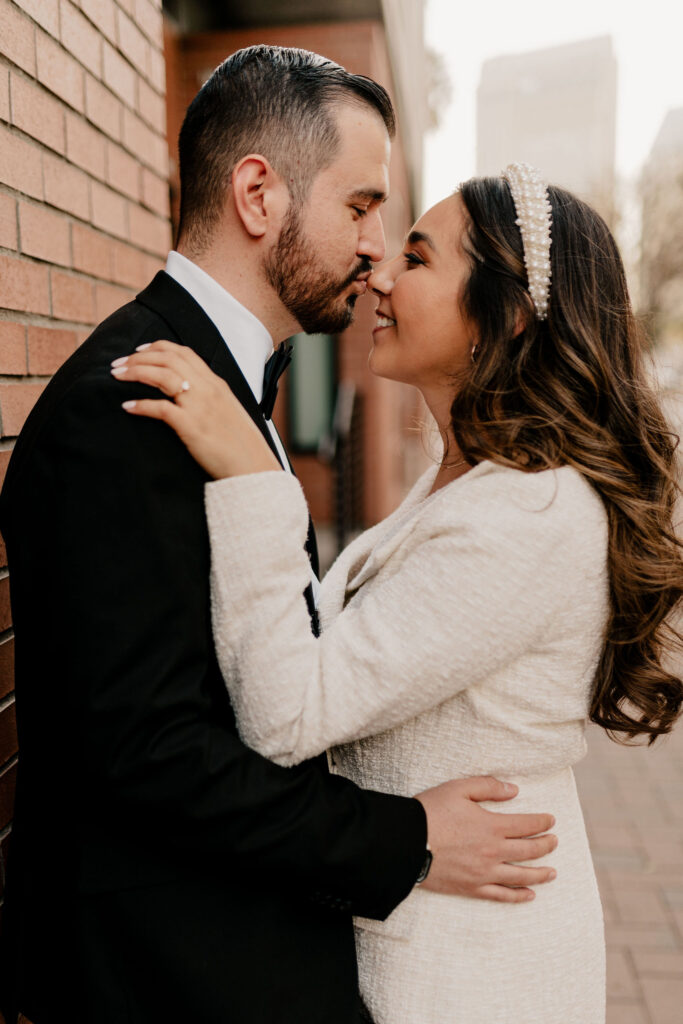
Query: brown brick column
84,211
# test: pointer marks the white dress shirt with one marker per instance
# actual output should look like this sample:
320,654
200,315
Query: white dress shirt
247,338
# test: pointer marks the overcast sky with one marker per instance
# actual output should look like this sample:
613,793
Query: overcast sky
648,44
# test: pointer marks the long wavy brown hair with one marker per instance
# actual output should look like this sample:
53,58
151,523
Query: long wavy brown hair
573,390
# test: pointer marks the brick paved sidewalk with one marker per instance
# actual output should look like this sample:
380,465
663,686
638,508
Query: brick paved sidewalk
633,804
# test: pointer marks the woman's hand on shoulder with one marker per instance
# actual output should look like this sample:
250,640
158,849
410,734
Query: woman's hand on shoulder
200,407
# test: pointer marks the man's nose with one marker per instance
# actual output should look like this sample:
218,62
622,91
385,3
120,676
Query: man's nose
372,243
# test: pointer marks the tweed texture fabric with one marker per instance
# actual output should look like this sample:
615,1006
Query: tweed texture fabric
460,637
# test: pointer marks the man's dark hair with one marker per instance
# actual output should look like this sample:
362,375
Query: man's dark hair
271,100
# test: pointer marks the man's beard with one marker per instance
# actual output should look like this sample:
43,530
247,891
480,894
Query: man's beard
310,293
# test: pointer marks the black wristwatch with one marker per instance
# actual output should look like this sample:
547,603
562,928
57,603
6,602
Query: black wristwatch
424,870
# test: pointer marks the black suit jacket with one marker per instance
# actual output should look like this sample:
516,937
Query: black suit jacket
160,870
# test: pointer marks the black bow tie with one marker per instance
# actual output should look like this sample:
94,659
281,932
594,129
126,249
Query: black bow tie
275,367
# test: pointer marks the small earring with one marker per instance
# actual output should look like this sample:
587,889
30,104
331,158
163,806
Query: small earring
473,353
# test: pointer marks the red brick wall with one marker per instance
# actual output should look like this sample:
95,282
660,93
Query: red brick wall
83,210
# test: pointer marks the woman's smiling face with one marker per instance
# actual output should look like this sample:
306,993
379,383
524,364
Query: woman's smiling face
421,336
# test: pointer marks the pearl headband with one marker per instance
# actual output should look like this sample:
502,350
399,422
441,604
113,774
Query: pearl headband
530,196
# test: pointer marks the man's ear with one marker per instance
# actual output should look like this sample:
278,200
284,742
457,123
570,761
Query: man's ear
258,194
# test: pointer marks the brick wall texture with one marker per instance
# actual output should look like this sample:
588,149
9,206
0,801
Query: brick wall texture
84,212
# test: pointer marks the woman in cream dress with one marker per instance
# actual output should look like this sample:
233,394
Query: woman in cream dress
518,590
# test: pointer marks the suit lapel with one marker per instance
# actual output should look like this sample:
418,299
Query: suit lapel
366,555
223,363
191,326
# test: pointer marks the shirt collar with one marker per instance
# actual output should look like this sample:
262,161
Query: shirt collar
247,338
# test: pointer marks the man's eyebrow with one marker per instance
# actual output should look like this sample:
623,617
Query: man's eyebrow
419,236
368,195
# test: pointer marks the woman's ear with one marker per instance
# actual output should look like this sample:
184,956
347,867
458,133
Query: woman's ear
521,322
257,194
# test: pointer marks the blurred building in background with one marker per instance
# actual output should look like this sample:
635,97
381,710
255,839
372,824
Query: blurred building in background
662,231
351,436
555,109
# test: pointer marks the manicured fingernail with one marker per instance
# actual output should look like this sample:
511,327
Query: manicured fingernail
120,361
141,348
129,405
552,874
509,788
118,370
530,896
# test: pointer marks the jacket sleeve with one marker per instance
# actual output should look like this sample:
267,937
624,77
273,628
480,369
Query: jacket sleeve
473,594
108,536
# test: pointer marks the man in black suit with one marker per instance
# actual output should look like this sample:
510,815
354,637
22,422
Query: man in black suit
160,870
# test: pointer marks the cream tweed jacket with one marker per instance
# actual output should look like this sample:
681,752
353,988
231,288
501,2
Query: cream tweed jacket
460,637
